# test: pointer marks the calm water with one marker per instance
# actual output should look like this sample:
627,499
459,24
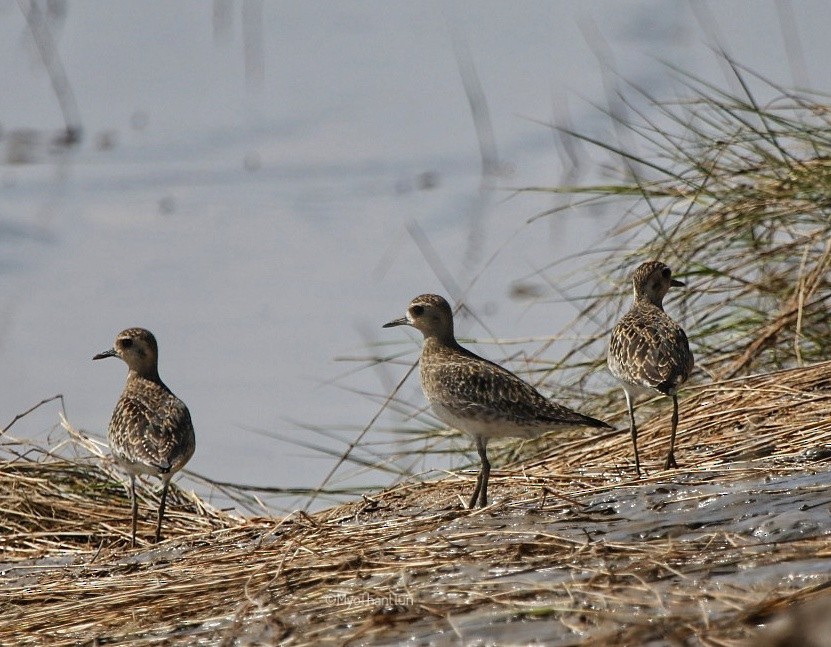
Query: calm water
257,181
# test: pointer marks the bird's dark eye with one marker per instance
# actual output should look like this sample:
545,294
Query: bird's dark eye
666,272
126,343
417,311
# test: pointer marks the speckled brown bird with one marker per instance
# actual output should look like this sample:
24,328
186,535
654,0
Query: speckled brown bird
150,431
476,396
649,353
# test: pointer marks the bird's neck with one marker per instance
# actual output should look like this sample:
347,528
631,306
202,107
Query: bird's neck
146,375
649,301
440,341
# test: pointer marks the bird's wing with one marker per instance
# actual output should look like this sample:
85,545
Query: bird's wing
153,431
652,351
476,387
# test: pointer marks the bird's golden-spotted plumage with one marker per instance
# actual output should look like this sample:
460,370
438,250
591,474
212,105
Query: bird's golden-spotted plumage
151,430
474,395
648,351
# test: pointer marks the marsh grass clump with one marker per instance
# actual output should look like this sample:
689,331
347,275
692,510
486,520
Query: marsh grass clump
736,198
66,500
566,552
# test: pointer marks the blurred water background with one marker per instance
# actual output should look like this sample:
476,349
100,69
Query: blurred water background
264,184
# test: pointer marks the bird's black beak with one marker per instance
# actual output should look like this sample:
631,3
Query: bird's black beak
397,322
106,353
675,283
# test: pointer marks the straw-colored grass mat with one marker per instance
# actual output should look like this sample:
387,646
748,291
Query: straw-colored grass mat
573,551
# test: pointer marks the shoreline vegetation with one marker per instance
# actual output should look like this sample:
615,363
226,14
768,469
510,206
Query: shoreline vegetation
735,197
574,551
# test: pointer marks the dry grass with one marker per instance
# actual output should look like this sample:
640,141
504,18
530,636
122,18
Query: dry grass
573,551
732,191
560,550
735,195
786,413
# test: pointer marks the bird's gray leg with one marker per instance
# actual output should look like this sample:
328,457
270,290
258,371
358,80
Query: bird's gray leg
165,483
630,404
134,507
476,490
670,462
481,491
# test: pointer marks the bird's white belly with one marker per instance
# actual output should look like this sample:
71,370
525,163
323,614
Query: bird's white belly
136,468
483,428
636,390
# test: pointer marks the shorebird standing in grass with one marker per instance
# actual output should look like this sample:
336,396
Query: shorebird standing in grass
150,431
476,396
649,352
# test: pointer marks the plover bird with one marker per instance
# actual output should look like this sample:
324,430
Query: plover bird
649,352
150,431
476,396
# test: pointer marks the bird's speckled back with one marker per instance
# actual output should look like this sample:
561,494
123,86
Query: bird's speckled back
472,394
151,431
648,349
